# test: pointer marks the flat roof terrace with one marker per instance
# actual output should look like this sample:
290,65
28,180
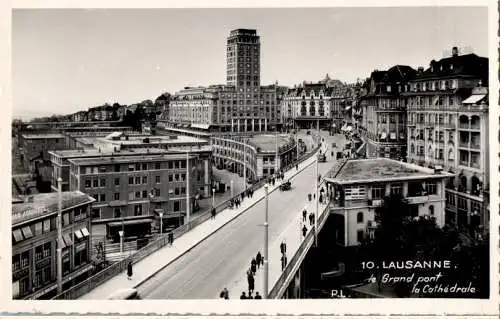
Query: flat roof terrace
267,142
380,169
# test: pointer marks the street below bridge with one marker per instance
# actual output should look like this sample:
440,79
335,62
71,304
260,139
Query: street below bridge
222,259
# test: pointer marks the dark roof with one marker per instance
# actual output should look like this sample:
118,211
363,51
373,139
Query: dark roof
463,65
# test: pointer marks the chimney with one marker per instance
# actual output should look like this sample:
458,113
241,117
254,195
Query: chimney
454,51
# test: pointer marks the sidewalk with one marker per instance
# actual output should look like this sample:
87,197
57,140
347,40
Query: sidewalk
149,266
293,237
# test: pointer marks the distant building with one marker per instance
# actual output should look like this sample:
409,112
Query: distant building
132,188
448,127
34,243
36,147
383,123
357,187
260,158
243,105
309,103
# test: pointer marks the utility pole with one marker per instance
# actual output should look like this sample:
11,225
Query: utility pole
266,246
188,201
59,235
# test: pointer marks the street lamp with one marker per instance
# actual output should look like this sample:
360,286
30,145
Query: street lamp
188,201
266,244
161,223
213,197
59,235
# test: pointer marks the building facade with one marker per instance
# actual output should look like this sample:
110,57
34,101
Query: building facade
308,104
36,147
131,190
34,243
260,157
357,187
448,127
242,105
383,109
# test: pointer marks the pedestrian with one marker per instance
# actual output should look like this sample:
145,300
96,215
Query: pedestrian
258,259
282,248
322,189
272,181
251,285
296,167
304,231
171,238
253,266
314,195
243,196
129,270
283,263
321,198
257,296
304,214
213,213
224,293
243,296
311,218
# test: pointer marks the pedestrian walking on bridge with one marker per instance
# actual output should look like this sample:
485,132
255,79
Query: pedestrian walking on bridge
253,266
243,296
304,231
258,259
213,212
129,271
257,296
296,167
311,219
304,214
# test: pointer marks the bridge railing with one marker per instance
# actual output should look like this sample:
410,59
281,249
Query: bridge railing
291,268
111,271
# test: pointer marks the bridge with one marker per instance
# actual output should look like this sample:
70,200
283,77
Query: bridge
217,253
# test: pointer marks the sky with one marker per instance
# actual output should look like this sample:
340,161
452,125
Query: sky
66,60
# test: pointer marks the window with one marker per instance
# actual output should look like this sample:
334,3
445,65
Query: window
38,228
183,177
157,192
177,206
183,164
177,191
96,214
137,167
131,196
65,219
88,183
117,212
137,180
144,179
95,183
462,203
177,164
397,189
170,177
431,210
431,188
102,198
137,194
157,165
137,210
144,166
170,165
116,196
360,235
157,179
378,191
117,167
102,169
117,181
359,217
102,182
131,181
183,190
144,194
131,168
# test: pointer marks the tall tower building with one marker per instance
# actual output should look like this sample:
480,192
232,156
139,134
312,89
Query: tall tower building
243,59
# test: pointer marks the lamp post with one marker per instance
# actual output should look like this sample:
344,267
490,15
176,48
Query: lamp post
266,244
188,186
213,197
232,191
161,223
317,204
59,235
277,155
121,233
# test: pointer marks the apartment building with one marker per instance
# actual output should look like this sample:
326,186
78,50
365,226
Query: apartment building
357,187
34,243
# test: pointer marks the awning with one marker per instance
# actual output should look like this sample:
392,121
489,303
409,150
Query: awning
474,99
117,203
202,126
67,240
27,232
85,232
17,235
393,136
79,234
383,135
130,222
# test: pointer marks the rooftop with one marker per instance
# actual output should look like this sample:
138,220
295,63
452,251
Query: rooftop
380,169
86,153
267,142
46,203
42,136
126,159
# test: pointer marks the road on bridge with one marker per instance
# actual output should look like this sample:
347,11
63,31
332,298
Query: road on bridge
223,258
